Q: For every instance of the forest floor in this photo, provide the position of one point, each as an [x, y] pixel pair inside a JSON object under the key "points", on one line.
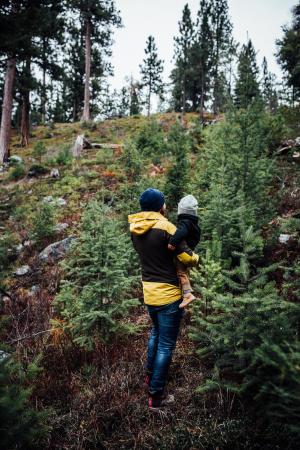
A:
{"points": [[97, 399]]}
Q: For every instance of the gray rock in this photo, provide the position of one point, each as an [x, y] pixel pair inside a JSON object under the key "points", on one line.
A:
{"points": [[61, 202], [15, 159], [34, 289], [58, 201], [27, 243], [19, 248], [23, 270], [4, 355], [48, 199], [284, 238], [54, 173], [61, 227], [57, 249], [297, 140]]}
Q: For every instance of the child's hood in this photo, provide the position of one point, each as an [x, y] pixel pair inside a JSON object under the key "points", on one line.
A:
{"points": [[143, 221]]}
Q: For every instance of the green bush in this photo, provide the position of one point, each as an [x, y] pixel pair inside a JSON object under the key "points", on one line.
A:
{"points": [[88, 125], [64, 157], [20, 424], [43, 223], [37, 169], [150, 139], [95, 295], [251, 338], [131, 161], [39, 150], [17, 172], [8, 253]]}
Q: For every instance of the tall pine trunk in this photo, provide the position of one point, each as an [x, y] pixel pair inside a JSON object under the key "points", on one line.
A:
{"points": [[202, 99], [183, 98], [43, 94], [7, 109], [88, 50], [149, 102], [25, 119], [25, 107]]}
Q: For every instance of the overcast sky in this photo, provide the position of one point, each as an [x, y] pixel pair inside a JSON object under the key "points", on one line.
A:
{"points": [[262, 19]]}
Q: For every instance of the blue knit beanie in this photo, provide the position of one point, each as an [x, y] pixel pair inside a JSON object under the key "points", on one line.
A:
{"points": [[152, 200]]}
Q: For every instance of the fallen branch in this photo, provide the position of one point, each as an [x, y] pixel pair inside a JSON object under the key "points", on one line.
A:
{"points": [[28, 336]]}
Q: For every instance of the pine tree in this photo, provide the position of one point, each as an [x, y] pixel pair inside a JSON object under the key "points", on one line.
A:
{"points": [[131, 161], [20, 424], [252, 338], [134, 101], [123, 102], [10, 14], [202, 56], [177, 176], [268, 89], [95, 294], [27, 22], [183, 45], [151, 71], [96, 21], [238, 175], [288, 54], [222, 47], [150, 140], [247, 86]]}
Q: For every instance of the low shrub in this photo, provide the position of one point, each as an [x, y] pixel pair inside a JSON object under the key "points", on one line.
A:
{"points": [[43, 223], [150, 140], [64, 157], [17, 173]]}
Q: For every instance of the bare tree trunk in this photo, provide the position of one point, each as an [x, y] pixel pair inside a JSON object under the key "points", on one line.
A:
{"points": [[25, 120], [25, 106], [7, 109], [149, 97], [88, 50], [202, 99], [183, 99], [149, 103], [43, 96]]}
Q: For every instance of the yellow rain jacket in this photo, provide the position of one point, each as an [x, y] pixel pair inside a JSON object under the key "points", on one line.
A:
{"points": [[150, 234]]}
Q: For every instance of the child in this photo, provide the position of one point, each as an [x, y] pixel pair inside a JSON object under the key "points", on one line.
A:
{"points": [[189, 231]]}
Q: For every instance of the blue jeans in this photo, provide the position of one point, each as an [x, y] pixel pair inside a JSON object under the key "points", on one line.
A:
{"points": [[166, 322]]}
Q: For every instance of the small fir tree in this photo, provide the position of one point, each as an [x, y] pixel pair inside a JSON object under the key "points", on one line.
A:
{"points": [[131, 161], [39, 150], [150, 139], [44, 222], [95, 295], [20, 424], [268, 89]]}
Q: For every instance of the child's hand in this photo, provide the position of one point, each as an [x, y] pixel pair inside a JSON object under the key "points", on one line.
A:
{"points": [[171, 247]]}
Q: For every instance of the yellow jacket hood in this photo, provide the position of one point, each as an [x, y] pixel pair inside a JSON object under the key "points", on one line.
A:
{"points": [[143, 221]]}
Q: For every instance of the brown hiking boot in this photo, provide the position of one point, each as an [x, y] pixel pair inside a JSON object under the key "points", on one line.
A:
{"points": [[159, 402]]}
